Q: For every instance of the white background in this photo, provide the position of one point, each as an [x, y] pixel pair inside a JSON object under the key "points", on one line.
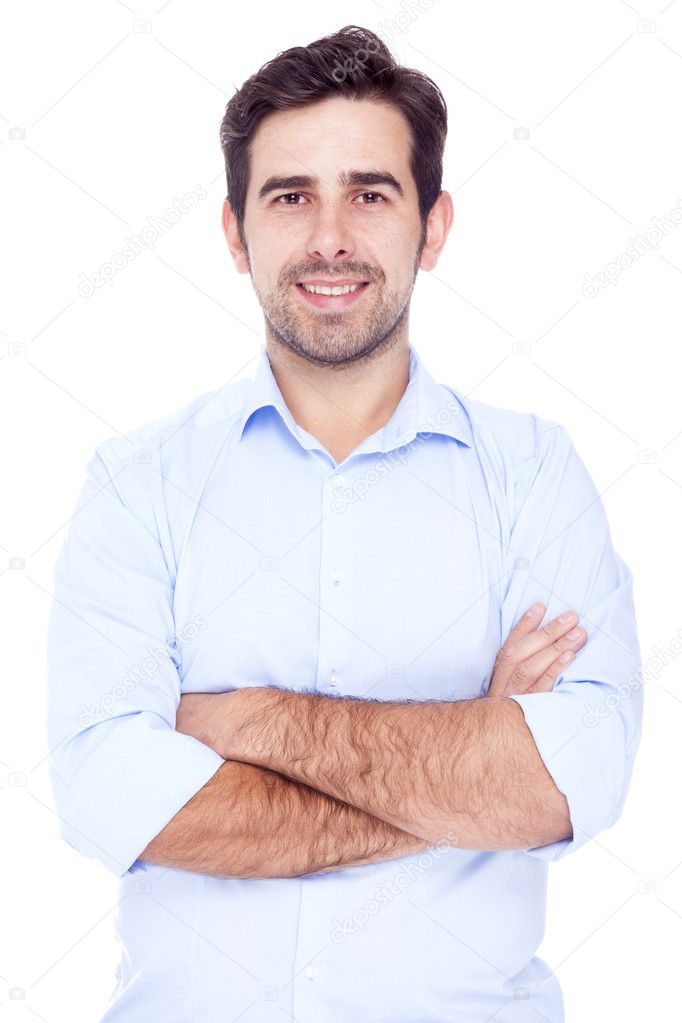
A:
{"points": [[102, 126]]}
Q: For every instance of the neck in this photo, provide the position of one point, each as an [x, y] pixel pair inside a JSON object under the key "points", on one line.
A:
{"points": [[341, 405]]}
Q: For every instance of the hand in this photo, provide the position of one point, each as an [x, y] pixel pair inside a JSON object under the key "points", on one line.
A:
{"points": [[203, 715], [529, 660]]}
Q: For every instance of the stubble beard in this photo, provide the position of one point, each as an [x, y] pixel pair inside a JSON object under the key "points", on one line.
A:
{"points": [[337, 339]]}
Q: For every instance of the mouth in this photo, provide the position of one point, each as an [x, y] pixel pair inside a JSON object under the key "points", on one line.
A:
{"points": [[337, 296]]}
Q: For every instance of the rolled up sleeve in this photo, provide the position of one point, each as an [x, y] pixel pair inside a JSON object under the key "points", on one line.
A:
{"points": [[587, 730], [119, 770]]}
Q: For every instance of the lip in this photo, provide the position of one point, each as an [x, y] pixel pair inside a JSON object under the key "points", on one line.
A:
{"points": [[331, 301], [338, 282]]}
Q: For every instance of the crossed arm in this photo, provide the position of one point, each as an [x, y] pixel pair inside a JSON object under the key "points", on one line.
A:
{"points": [[314, 783], [248, 821]]}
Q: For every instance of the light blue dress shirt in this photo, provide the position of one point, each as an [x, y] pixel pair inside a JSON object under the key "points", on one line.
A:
{"points": [[223, 547]]}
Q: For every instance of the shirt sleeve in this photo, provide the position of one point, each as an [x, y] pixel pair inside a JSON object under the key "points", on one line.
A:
{"points": [[119, 770], [587, 730]]}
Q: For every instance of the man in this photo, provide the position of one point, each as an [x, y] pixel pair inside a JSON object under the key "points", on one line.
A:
{"points": [[314, 692]]}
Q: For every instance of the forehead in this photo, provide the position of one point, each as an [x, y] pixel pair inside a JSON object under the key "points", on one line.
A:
{"points": [[334, 133]]}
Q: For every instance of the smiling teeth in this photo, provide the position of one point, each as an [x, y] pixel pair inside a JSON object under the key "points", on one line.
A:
{"points": [[316, 289]]}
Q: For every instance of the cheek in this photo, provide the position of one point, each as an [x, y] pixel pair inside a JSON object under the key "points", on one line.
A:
{"points": [[266, 275], [272, 265], [393, 248]]}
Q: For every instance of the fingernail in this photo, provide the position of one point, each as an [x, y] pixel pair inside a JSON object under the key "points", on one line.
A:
{"points": [[566, 617], [534, 609], [574, 634]]}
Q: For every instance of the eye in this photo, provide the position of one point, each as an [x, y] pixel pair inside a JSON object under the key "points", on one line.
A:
{"points": [[288, 195], [376, 195], [376, 199]]}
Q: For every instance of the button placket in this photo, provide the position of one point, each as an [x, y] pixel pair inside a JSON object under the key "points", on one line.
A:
{"points": [[334, 544]]}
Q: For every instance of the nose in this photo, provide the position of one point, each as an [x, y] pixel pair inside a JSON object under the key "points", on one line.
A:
{"points": [[330, 236]]}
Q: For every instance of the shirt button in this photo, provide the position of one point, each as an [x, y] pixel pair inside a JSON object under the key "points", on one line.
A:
{"points": [[310, 972], [338, 482], [333, 678], [337, 574]]}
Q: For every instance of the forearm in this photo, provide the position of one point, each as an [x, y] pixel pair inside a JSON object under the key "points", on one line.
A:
{"points": [[248, 821], [468, 769]]}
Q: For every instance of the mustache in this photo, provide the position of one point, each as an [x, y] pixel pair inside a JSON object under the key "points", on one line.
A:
{"points": [[364, 273]]}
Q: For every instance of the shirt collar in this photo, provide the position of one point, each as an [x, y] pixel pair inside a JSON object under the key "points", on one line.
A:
{"points": [[426, 407]]}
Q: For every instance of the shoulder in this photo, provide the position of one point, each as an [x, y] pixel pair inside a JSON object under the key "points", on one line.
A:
{"points": [[518, 455], [511, 438], [193, 423], [172, 453]]}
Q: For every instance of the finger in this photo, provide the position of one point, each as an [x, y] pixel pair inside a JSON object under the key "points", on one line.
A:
{"points": [[529, 621], [527, 674], [511, 652], [547, 681], [520, 647], [550, 633]]}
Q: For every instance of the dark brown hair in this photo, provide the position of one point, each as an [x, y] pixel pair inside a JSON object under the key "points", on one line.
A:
{"points": [[353, 62]]}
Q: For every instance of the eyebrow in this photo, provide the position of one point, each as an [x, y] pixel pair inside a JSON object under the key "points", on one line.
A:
{"points": [[346, 179]]}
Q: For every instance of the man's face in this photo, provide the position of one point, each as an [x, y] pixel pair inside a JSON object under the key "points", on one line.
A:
{"points": [[330, 228]]}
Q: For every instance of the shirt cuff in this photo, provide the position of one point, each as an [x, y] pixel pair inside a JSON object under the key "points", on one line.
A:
{"points": [[584, 751], [130, 786]]}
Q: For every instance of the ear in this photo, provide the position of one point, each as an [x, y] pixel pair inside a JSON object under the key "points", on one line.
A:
{"points": [[234, 243], [438, 226]]}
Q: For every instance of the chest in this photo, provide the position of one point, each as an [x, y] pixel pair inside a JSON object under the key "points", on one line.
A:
{"points": [[378, 580]]}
